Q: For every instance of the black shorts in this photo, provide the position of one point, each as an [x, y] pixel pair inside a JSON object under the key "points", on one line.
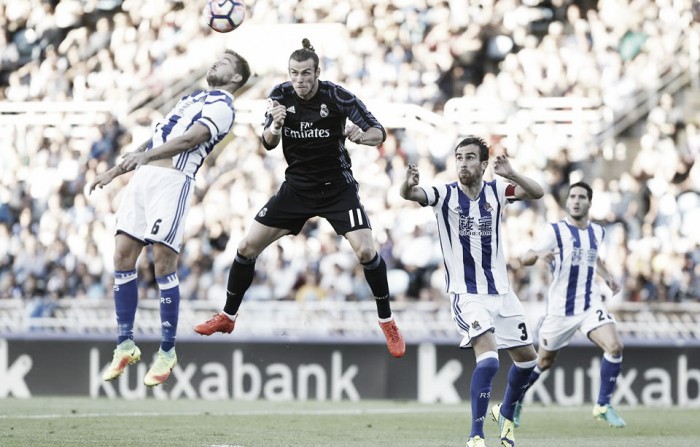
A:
{"points": [[341, 207]]}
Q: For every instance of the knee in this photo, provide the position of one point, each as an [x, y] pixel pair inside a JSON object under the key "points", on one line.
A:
{"points": [[165, 261], [366, 253], [126, 252], [247, 250], [616, 349], [124, 259]]}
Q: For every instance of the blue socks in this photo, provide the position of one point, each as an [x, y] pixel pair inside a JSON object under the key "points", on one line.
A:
{"points": [[169, 286], [126, 299], [609, 370], [518, 382], [534, 376], [480, 389]]}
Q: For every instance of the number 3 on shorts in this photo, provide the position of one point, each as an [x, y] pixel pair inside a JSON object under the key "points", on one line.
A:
{"points": [[523, 328]]}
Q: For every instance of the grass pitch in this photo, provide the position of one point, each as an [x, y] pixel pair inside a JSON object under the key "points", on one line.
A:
{"points": [[78, 422]]}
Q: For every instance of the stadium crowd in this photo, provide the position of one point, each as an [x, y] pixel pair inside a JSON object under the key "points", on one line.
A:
{"points": [[56, 241]]}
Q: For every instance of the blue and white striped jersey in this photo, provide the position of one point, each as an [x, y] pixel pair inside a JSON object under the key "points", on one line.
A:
{"points": [[470, 236], [211, 108], [574, 288]]}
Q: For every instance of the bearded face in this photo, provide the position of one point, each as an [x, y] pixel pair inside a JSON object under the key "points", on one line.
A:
{"points": [[222, 71], [470, 169]]}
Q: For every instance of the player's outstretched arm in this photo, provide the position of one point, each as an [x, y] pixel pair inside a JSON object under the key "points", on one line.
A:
{"points": [[409, 188], [196, 135], [103, 179], [531, 256]]}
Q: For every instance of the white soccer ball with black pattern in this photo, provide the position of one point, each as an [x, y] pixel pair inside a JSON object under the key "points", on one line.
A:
{"points": [[224, 16]]}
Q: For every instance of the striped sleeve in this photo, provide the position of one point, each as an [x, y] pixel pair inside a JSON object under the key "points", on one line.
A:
{"points": [[432, 193], [217, 115]]}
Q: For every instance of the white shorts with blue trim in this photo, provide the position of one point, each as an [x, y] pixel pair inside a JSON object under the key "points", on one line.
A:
{"points": [[504, 314], [154, 205], [555, 331]]}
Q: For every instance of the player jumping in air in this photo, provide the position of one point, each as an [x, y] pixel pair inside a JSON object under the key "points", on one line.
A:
{"points": [[156, 201], [310, 117]]}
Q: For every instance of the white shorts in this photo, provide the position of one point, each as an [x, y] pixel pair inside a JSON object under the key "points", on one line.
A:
{"points": [[555, 331], [154, 205], [476, 314]]}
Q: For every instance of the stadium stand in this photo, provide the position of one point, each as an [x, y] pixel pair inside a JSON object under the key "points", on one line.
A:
{"points": [[570, 91]]}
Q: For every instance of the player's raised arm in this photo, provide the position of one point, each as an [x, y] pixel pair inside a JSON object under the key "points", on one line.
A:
{"points": [[525, 187], [409, 188], [272, 133]]}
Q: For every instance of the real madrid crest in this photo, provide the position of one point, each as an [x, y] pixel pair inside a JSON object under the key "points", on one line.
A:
{"points": [[324, 110]]}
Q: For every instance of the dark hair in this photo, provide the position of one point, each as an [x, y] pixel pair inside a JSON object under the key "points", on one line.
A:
{"points": [[478, 141], [305, 53], [242, 66], [584, 185]]}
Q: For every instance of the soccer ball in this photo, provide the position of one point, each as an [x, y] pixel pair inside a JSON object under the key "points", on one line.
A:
{"points": [[224, 16]]}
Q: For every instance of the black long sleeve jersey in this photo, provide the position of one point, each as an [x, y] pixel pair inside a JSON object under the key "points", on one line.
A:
{"points": [[313, 142]]}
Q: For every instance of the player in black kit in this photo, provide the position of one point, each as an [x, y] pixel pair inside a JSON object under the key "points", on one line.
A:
{"points": [[309, 116]]}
